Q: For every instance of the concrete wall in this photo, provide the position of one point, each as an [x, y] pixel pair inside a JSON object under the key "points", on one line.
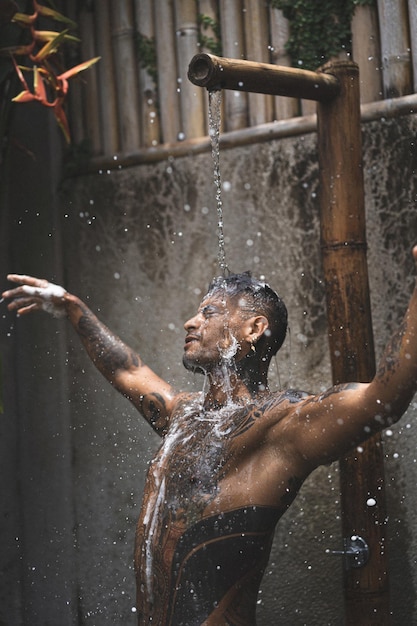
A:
{"points": [[140, 246], [36, 520]]}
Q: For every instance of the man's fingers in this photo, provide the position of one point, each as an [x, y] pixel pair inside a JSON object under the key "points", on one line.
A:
{"points": [[18, 292], [34, 294], [27, 309], [27, 280], [19, 303]]}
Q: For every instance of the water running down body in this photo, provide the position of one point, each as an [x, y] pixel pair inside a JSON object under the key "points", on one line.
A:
{"points": [[233, 457]]}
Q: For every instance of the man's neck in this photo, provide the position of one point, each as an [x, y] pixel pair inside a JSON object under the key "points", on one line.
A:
{"points": [[230, 385]]}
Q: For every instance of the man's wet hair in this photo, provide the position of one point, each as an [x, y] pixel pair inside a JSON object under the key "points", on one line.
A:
{"points": [[255, 296]]}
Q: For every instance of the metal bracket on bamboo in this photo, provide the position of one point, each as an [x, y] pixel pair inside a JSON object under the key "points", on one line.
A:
{"points": [[215, 73], [355, 552]]}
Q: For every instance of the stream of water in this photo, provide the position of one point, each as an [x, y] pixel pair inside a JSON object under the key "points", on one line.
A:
{"points": [[174, 456], [215, 103]]}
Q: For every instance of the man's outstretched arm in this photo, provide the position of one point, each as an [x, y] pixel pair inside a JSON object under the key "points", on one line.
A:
{"points": [[120, 365], [324, 427]]}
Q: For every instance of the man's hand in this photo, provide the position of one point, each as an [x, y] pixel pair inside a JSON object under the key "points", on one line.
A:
{"points": [[35, 294], [120, 365]]}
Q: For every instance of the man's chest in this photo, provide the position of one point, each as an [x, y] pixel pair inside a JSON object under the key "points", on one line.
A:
{"points": [[212, 463]]}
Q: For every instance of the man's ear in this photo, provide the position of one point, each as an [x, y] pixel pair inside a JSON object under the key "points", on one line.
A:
{"points": [[259, 324]]}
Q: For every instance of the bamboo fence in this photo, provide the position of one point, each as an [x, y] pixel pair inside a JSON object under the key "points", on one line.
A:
{"points": [[130, 102]]}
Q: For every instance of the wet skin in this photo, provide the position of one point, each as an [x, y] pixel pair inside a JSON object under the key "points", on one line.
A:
{"points": [[232, 458], [214, 493], [231, 464], [200, 503], [224, 476]]}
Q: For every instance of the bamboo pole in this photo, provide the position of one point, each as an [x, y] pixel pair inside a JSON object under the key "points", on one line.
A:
{"points": [[412, 11], [257, 40], [343, 240], [207, 70], [167, 70], [307, 106], [280, 31], [231, 20], [88, 51], [126, 76], [107, 88], [150, 128], [209, 9], [395, 47], [193, 118], [366, 51]]}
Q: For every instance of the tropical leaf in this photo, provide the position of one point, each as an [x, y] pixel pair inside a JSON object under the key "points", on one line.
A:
{"points": [[24, 96], [46, 82], [23, 19], [49, 35], [47, 12], [78, 68], [61, 118], [19, 73], [39, 87], [49, 48]]}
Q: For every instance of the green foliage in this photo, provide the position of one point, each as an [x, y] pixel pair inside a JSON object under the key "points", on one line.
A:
{"points": [[212, 44], [319, 29], [146, 48]]}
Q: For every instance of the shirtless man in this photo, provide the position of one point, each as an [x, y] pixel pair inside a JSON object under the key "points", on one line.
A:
{"points": [[233, 457]]}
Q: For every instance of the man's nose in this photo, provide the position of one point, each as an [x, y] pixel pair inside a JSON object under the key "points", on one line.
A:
{"points": [[192, 323]]}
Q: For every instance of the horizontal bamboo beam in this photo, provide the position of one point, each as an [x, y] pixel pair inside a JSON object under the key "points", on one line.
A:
{"points": [[207, 70], [295, 126]]}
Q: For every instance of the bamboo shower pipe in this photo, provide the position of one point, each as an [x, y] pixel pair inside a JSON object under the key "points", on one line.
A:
{"points": [[343, 241], [207, 70]]}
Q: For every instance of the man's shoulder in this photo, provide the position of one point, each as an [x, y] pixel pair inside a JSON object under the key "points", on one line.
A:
{"points": [[287, 396], [186, 399]]}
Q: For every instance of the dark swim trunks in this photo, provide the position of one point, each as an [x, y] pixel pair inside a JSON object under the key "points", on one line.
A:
{"points": [[215, 555]]}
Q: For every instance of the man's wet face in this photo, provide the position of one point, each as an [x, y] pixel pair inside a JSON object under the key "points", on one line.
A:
{"points": [[211, 333]]}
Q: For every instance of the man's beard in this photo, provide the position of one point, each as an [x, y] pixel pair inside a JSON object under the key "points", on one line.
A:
{"points": [[225, 356], [193, 365]]}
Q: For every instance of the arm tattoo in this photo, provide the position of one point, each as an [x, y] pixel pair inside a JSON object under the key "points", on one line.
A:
{"points": [[152, 407], [330, 392], [390, 359], [247, 417], [106, 350], [337, 389]]}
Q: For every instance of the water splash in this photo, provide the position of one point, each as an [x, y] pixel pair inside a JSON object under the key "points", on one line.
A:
{"points": [[227, 366], [215, 102], [194, 446]]}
